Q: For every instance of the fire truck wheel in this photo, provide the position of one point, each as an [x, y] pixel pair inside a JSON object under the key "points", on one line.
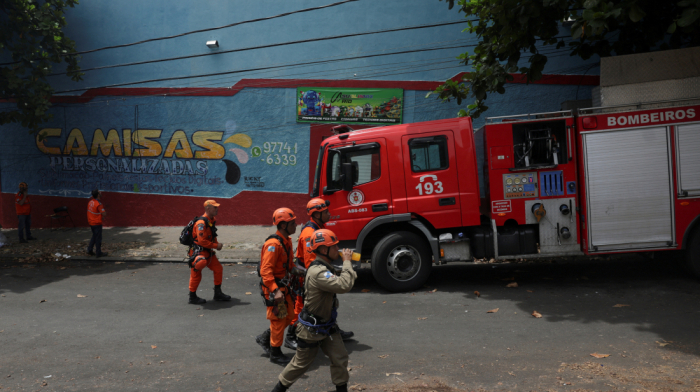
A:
{"points": [[692, 253], [401, 261]]}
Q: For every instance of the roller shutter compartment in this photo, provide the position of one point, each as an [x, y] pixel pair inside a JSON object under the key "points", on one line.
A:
{"points": [[629, 189]]}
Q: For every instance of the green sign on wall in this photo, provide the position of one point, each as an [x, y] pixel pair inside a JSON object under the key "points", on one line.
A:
{"points": [[350, 105]]}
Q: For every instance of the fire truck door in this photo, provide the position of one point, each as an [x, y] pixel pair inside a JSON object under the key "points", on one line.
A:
{"points": [[371, 193], [629, 189], [432, 187]]}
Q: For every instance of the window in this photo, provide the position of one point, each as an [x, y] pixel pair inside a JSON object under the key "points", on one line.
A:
{"points": [[428, 154], [365, 158]]}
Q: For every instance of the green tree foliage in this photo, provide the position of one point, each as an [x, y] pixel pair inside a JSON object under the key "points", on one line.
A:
{"points": [[31, 41], [512, 33]]}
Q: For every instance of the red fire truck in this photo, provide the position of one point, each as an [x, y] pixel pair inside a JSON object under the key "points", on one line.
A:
{"points": [[598, 181]]}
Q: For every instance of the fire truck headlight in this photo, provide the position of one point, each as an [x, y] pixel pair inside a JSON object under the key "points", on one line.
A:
{"points": [[565, 233]]}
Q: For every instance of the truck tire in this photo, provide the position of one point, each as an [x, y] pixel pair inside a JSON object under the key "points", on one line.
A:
{"points": [[401, 261], [692, 252]]}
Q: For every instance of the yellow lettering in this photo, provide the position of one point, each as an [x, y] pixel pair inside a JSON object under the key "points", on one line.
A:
{"points": [[204, 139], [151, 148], [74, 137], [179, 138], [41, 138], [106, 145], [126, 136]]}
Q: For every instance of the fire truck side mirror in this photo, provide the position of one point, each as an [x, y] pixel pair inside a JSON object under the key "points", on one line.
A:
{"points": [[346, 176]]}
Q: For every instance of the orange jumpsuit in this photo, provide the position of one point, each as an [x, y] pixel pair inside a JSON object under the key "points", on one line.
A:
{"points": [[306, 257], [207, 257], [275, 264]]}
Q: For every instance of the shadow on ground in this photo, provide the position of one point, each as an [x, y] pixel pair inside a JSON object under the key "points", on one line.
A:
{"points": [[71, 243], [223, 305], [21, 278], [74, 242], [653, 295]]}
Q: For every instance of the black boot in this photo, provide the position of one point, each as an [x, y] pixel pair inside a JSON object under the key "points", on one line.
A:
{"points": [[219, 296], [290, 340], [341, 388], [194, 300], [280, 388], [264, 341], [277, 357], [346, 335]]}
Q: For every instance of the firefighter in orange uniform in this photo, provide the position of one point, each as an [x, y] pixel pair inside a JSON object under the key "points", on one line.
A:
{"points": [[317, 210], [276, 263], [204, 250], [95, 213], [24, 209]]}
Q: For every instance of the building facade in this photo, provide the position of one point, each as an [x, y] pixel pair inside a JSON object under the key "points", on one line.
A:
{"points": [[161, 126]]}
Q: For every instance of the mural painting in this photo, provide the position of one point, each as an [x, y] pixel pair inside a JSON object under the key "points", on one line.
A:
{"points": [[201, 163]]}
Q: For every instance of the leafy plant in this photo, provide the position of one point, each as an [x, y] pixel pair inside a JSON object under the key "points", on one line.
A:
{"points": [[31, 42], [512, 34]]}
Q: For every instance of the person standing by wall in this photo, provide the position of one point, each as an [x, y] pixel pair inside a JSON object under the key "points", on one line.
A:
{"points": [[204, 251], [276, 263], [95, 213], [24, 210], [317, 321]]}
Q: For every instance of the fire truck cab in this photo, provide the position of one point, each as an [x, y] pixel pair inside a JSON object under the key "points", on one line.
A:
{"points": [[595, 181]]}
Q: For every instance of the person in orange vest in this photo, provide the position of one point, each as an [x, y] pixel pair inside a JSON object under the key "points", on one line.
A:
{"points": [[317, 210], [95, 213], [24, 210], [204, 252], [276, 263]]}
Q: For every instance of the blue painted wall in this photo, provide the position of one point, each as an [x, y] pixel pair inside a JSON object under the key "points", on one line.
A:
{"points": [[100, 23], [264, 115]]}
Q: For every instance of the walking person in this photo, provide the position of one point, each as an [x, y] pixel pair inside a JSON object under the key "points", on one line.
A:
{"points": [[95, 213], [317, 210], [24, 210], [317, 321], [204, 251], [276, 263]]}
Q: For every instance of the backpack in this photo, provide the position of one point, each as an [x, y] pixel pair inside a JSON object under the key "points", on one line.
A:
{"points": [[186, 236]]}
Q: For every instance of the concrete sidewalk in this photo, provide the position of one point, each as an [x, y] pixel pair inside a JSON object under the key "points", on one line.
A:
{"points": [[241, 244]]}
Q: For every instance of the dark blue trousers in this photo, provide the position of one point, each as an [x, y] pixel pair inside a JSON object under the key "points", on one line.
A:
{"points": [[96, 239], [25, 225]]}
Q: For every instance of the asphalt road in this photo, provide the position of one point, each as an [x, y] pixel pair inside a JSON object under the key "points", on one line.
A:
{"points": [[133, 329]]}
